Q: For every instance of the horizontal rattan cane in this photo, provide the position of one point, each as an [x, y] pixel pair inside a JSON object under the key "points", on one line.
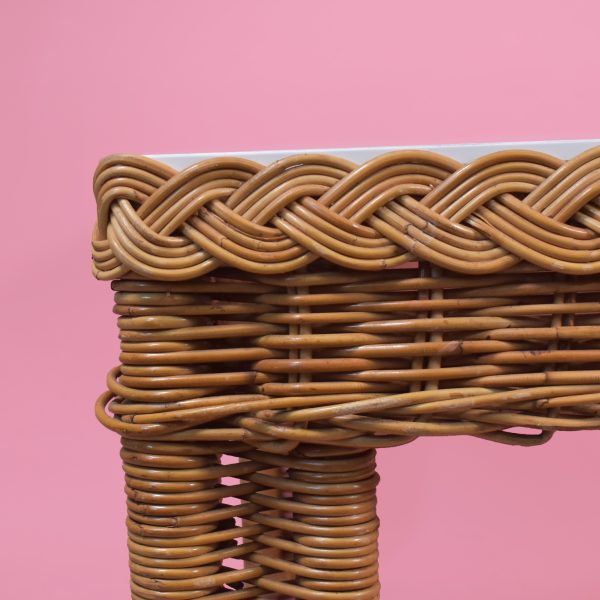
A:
{"points": [[297, 316]]}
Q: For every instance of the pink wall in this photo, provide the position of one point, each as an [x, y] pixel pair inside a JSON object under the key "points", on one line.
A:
{"points": [[462, 519]]}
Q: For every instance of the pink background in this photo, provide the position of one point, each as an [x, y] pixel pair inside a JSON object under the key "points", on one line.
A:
{"points": [[462, 519]]}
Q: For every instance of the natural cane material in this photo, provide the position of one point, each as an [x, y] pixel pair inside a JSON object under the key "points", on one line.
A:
{"points": [[294, 317]]}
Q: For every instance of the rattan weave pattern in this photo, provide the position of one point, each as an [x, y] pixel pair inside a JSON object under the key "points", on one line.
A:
{"points": [[297, 316], [485, 217]]}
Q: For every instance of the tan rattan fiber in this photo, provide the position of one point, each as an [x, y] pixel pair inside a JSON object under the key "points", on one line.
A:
{"points": [[299, 315]]}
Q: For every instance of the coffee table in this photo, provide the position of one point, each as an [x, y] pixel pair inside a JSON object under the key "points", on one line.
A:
{"points": [[282, 315]]}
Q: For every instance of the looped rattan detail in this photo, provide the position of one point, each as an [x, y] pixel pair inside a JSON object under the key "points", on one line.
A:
{"points": [[297, 316]]}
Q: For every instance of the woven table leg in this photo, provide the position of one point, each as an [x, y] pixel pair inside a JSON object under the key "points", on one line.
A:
{"points": [[328, 531], [179, 531]]}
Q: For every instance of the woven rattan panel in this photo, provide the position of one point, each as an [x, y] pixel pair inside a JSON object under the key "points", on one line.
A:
{"points": [[297, 316]]}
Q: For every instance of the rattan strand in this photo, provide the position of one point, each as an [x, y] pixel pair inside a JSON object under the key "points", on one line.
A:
{"points": [[276, 315]]}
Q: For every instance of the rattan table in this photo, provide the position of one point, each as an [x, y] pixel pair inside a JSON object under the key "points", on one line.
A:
{"points": [[284, 315]]}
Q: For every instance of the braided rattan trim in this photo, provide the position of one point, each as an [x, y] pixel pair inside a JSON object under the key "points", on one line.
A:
{"points": [[480, 218]]}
